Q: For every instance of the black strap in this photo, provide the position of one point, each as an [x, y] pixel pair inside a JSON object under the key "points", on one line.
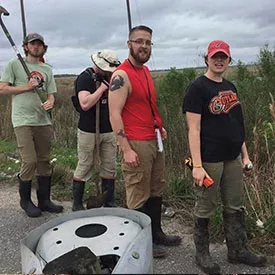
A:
{"points": [[96, 77], [150, 99]]}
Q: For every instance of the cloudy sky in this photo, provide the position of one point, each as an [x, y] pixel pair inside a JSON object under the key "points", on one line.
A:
{"points": [[182, 29]]}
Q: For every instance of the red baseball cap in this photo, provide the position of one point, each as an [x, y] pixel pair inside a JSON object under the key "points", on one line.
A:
{"points": [[218, 46]]}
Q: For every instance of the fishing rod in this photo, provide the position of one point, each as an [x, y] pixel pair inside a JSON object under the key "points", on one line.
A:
{"points": [[23, 63]]}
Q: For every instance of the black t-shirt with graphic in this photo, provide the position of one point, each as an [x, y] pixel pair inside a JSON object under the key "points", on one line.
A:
{"points": [[87, 120], [222, 124]]}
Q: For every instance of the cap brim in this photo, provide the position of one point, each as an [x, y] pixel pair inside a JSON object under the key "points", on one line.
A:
{"points": [[218, 51], [35, 39], [101, 64]]}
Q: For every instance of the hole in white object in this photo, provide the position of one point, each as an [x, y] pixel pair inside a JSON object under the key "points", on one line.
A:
{"points": [[91, 230]]}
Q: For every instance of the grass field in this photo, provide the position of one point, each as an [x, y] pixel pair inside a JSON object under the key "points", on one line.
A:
{"points": [[256, 90]]}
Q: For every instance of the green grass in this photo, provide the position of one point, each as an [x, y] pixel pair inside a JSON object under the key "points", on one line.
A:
{"points": [[7, 146], [66, 157], [9, 163], [64, 162], [63, 166]]}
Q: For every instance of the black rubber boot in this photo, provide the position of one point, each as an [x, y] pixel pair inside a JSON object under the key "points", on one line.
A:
{"points": [[201, 240], [78, 191], [236, 240], [25, 199], [158, 252], [153, 208], [109, 186], [43, 195]]}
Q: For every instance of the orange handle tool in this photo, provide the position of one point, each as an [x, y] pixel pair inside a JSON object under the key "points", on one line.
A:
{"points": [[206, 182]]}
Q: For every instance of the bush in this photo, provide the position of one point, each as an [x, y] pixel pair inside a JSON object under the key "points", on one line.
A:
{"points": [[256, 91], [170, 92]]}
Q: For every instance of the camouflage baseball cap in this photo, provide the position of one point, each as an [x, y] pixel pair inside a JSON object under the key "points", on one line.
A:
{"points": [[33, 36]]}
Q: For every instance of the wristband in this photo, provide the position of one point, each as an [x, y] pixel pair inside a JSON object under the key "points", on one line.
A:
{"points": [[197, 166]]}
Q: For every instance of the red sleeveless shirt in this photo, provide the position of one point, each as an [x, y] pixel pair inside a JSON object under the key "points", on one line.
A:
{"points": [[137, 114]]}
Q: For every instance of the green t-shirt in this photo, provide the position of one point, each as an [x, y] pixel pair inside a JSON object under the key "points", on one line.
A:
{"points": [[26, 107]]}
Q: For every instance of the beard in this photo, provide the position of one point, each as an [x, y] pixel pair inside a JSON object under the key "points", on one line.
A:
{"points": [[34, 53], [139, 57]]}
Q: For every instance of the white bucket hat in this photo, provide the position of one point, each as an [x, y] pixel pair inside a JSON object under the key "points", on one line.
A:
{"points": [[106, 60]]}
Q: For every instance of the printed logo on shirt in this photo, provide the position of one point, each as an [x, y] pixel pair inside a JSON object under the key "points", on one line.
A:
{"points": [[223, 102], [39, 77]]}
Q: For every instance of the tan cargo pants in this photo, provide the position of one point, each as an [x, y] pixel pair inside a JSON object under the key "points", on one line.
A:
{"points": [[34, 144], [148, 179]]}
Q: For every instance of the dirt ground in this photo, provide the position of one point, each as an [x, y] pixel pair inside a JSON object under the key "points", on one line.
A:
{"points": [[15, 225]]}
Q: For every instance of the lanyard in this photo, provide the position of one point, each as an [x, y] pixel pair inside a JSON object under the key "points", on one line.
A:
{"points": [[149, 92]]}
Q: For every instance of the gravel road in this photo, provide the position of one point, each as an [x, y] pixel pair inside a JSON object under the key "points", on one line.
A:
{"points": [[15, 225]]}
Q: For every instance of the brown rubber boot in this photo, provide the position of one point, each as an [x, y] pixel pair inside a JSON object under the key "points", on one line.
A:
{"points": [[201, 240], [236, 241]]}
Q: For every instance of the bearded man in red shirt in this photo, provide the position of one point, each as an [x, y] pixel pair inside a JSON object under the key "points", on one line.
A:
{"points": [[135, 119]]}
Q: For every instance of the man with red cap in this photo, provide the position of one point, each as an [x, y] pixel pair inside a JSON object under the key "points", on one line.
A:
{"points": [[217, 145]]}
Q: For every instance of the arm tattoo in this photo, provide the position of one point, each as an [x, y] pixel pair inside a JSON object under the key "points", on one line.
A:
{"points": [[121, 133], [117, 83]]}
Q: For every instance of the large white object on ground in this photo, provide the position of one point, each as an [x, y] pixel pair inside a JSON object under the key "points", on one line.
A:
{"points": [[118, 237]]}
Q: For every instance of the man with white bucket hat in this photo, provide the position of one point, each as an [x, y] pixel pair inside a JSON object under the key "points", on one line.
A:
{"points": [[91, 87]]}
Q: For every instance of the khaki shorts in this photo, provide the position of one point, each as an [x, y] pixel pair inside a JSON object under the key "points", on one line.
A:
{"points": [[228, 183], [148, 179], [87, 155], [34, 144]]}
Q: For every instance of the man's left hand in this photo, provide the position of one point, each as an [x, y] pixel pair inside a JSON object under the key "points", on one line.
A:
{"points": [[163, 133], [247, 166], [47, 105]]}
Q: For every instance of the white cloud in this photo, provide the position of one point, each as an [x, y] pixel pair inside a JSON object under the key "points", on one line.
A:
{"points": [[182, 29]]}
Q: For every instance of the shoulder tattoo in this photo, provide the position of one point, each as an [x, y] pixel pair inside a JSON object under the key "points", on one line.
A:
{"points": [[116, 83], [121, 133]]}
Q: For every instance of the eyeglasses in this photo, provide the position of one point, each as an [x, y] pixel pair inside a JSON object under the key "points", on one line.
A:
{"points": [[141, 42]]}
